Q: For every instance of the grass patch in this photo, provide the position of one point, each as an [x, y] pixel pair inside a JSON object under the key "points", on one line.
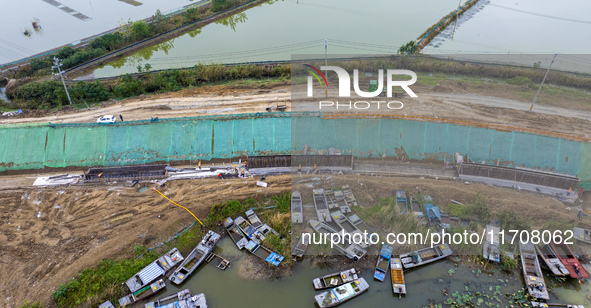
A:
{"points": [[104, 280]]}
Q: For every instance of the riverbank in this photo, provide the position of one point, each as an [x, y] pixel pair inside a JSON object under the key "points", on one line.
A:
{"points": [[101, 222]]}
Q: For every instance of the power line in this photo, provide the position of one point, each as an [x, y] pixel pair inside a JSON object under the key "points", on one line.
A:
{"points": [[542, 15]]}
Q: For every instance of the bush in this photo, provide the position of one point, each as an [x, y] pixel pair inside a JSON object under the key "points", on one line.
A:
{"points": [[110, 41], [140, 30], [512, 221], [520, 80], [507, 263], [221, 5]]}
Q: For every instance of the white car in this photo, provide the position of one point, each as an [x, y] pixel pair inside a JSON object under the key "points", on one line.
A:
{"points": [[106, 119]]}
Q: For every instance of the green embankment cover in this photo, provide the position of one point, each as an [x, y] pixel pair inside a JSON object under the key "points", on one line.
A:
{"points": [[140, 142]]}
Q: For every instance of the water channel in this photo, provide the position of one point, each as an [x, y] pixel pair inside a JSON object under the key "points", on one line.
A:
{"points": [[277, 29], [228, 289]]}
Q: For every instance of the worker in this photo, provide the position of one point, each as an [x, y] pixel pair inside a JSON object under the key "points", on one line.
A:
{"points": [[242, 173], [570, 190], [580, 215], [199, 165], [577, 270], [314, 166], [300, 168], [121, 117], [100, 175], [245, 165]]}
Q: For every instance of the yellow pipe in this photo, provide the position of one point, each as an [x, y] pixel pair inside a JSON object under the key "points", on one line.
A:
{"points": [[156, 190]]}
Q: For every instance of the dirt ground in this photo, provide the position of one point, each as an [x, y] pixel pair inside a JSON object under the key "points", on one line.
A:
{"points": [[498, 104], [49, 235]]}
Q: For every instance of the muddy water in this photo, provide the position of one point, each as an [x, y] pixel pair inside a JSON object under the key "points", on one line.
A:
{"points": [[228, 289], [275, 30], [60, 26]]}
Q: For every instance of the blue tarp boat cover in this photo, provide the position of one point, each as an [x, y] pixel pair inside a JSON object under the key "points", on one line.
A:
{"points": [[274, 258]]}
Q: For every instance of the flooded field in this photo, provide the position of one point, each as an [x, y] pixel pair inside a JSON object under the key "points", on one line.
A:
{"points": [[519, 26], [276, 30], [67, 21]]}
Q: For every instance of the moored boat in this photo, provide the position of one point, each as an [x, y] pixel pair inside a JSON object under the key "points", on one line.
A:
{"points": [[235, 234], [552, 261], [320, 204], [142, 293], [182, 299], [154, 270], [254, 219], [425, 256], [490, 249], [195, 258], [264, 253], [248, 230], [303, 243], [297, 216], [334, 279], [582, 235], [397, 275], [569, 260], [341, 293], [383, 262], [352, 251], [534, 279], [402, 202]]}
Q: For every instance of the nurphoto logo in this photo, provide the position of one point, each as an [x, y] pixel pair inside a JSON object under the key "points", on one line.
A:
{"points": [[345, 81]]}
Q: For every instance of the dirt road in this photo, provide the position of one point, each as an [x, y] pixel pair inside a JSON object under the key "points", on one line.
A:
{"points": [[440, 102]]}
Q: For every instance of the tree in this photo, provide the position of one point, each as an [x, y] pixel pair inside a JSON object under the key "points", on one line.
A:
{"points": [[409, 47], [139, 30]]}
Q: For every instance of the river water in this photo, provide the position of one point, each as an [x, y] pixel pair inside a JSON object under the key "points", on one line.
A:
{"points": [[277, 29], [228, 289]]}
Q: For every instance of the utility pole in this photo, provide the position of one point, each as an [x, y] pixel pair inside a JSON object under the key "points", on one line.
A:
{"points": [[541, 84], [57, 64]]}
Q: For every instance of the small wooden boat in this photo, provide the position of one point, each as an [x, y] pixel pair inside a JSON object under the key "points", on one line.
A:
{"points": [[264, 253], [341, 293], [254, 219], [235, 234], [334, 279], [341, 203], [402, 202], [330, 199], [490, 249], [582, 235], [416, 208], [552, 261], [397, 275], [217, 261], [352, 251], [195, 258], [320, 204], [360, 224], [569, 260], [556, 305], [297, 213], [303, 243], [425, 256], [349, 196], [433, 214], [383, 262], [248, 230], [348, 227], [182, 299], [142, 293], [534, 279], [154, 270]]}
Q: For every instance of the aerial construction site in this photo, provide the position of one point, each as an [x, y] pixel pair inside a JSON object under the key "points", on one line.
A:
{"points": [[227, 153]]}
